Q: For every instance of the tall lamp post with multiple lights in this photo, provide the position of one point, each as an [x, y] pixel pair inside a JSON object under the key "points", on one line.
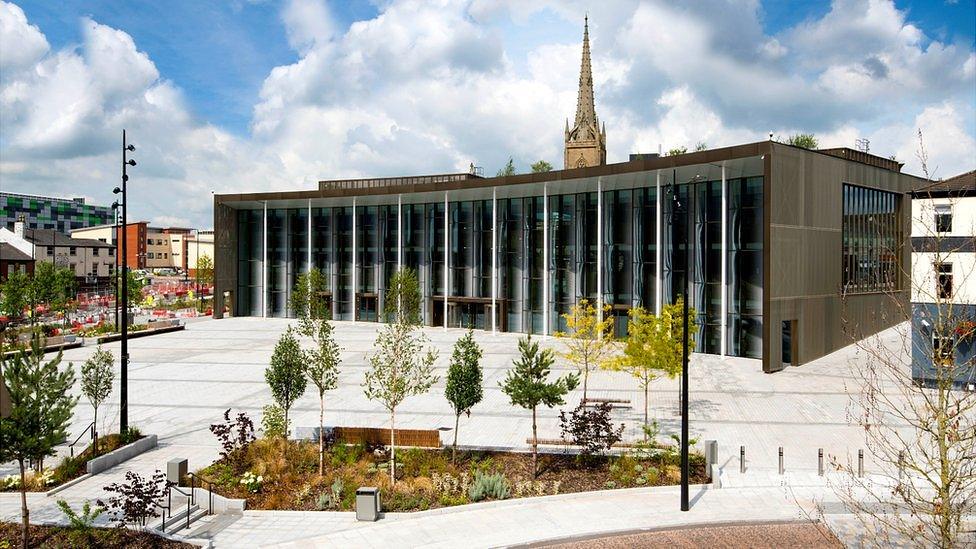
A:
{"points": [[124, 370], [115, 273], [676, 203]]}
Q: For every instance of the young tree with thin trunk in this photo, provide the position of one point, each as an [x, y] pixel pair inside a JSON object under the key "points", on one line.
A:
{"points": [[588, 339], [286, 374], [909, 393], [402, 301], [653, 346], [464, 380], [402, 365], [309, 298], [40, 412], [322, 367], [527, 385], [96, 382]]}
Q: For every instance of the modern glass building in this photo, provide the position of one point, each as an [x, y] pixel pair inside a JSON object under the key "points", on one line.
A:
{"points": [[777, 247], [44, 212]]}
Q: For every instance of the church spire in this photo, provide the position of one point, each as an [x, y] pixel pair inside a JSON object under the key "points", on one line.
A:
{"points": [[585, 143], [585, 109]]}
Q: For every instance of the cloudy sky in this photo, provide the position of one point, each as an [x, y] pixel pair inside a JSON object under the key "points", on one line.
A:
{"points": [[250, 95]]}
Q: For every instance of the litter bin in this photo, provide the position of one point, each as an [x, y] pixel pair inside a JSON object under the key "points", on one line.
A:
{"points": [[368, 503]]}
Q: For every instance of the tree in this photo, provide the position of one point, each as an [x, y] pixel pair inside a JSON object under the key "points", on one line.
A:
{"points": [[403, 300], [541, 167], [14, 294], [309, 298], [96, 382], [464, 378], [134, 287], [321, 367], [402, 365], [286, 374], [677, 150], [588, 339], [64, 292], [591, 430], [508, 170], [527, 385], [40, 412], [803, 140], [653, 346], [909, 399], [204, 270]]}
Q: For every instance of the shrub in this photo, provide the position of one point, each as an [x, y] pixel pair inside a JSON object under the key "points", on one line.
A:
{"points": [[136, 498], [273, 421], [235, 435], [492, 486], [591, 430], [130, 435], [81, 522]]}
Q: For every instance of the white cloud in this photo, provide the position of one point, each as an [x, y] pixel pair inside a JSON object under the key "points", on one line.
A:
{"points": [[21, 44], [431, 86]]}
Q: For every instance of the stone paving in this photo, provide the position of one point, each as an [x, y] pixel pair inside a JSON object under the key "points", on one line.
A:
{"points": [[181, 382]]}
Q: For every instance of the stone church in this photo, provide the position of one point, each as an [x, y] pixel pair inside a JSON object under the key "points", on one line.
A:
{"points": [[586, 141]]}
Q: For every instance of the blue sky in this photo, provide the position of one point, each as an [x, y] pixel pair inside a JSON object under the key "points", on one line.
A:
{"points": [[252, 95]]}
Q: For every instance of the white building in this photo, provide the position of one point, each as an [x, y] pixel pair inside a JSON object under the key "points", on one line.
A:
{"points": [[943, 241]]}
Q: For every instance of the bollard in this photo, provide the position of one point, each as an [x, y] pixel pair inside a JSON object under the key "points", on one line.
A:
{"points": [[781, 460], [742, 459], [860, 463], [820, 469]]}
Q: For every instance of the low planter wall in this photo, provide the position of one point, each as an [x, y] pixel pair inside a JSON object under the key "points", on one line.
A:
{"points": [[420, 438], [51, 348], [142, 333], [124, 453]]}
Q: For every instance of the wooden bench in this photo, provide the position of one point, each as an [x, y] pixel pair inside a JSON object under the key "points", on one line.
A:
{"points": [[420, 438], [564, 442], [613, 402]]}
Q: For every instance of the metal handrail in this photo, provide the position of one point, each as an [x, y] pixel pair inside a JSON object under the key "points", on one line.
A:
{"points": [[210, 485], [189, 500], [90, 429]]}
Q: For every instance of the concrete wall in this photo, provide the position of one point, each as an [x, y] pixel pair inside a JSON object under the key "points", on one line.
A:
{"points": [[924, 317], [803, 274]]}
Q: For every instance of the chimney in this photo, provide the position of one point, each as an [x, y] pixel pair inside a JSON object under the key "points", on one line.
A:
{"points": [[20, 225]]}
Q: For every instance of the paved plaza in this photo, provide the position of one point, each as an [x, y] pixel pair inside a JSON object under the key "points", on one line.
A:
{"points": [[181, 382]]}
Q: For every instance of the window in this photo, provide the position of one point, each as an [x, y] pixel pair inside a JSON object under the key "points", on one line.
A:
{"points": [[72, 251], [943, 281], [150, 255], [50, 251], [95, 251], [111, 251], [943, 218], [872, 243], [942, 349]]}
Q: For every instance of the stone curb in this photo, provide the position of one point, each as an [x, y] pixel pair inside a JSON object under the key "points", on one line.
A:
{"points": [[115, 457], [67, 485]]}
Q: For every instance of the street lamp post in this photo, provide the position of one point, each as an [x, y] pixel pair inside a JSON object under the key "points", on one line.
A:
{"points": [[124, 370], [684, 339], [115, 272]]}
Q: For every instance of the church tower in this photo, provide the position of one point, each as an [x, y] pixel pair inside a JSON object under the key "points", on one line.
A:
{"points": [[586, 141]]}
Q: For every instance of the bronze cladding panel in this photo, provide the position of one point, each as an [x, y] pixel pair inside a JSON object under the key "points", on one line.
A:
{"points": [[225, 260], [804, 212]]}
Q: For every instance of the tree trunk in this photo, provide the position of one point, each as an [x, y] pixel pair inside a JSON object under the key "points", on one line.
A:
{"points": [[393, 447], [457, 419], [646, 386], [321, 435], [95, 428], [586, 377], [535, 447], [24, 513]]}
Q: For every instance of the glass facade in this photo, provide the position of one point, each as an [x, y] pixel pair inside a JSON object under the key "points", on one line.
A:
{"points": [[593, 239], [871, 239]]}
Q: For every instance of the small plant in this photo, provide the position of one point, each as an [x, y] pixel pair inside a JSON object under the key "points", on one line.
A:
{"points": [[488, 487], [591, 430], [84, 521], [136, 498], [130, 435], [324, 502], [251, 482], [233, 435], [273, 421], [10, 481], [333, 498]]}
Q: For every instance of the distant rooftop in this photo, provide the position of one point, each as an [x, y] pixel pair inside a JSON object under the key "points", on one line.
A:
{"points": [[45, 237], [964, 184], [75, 200], [864, 158]]}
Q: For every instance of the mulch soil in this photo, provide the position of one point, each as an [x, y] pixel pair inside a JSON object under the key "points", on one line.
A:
{"points": [[110, 538]]}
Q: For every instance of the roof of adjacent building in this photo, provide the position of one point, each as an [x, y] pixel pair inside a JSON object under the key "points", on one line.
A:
{"points": [[961, 185], [48, 237], [10, 253]]}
